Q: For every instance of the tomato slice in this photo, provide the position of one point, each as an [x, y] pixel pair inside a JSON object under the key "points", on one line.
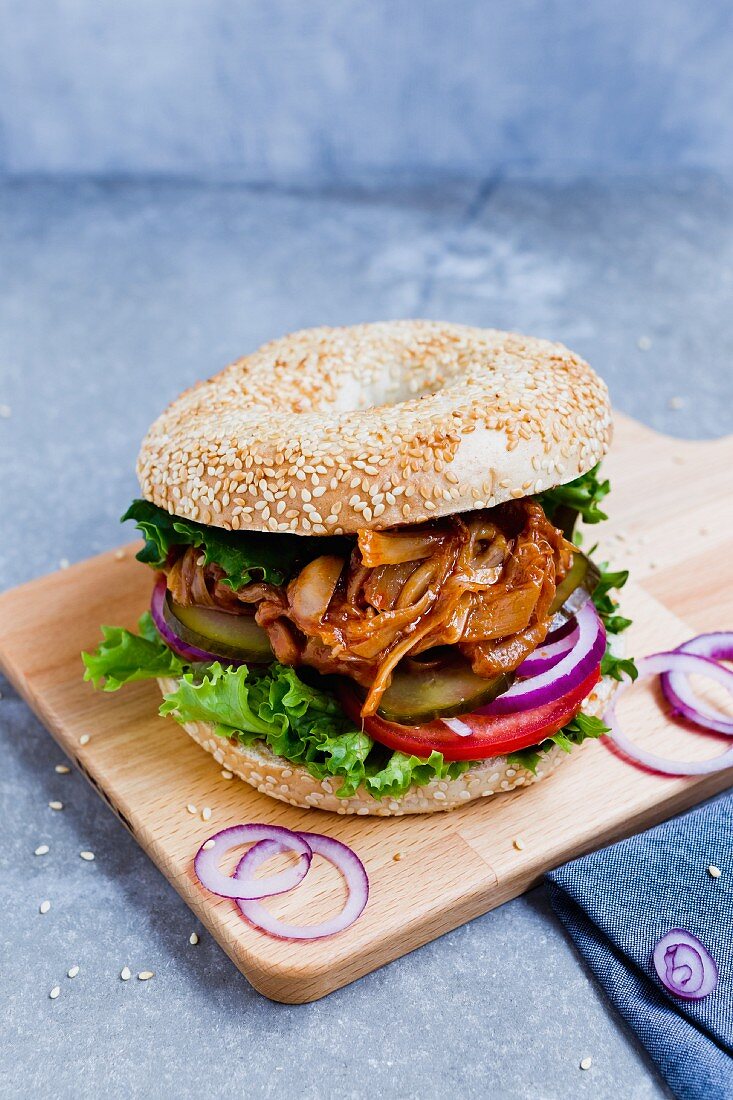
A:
{"points": [[492, 735]]}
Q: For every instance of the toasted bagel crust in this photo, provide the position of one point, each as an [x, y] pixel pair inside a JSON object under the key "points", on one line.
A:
{"points": [[334, 429], [292, 783]]}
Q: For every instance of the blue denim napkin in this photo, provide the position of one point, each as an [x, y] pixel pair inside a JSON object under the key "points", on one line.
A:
{"points": [[616, 903]]}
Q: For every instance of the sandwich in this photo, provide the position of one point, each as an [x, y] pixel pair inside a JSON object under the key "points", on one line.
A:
{"points": [[370, 591]]}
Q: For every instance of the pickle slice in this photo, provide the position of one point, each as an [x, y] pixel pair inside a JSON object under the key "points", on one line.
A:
{"points": [[418, 693], [576, 588], [218, 632]]}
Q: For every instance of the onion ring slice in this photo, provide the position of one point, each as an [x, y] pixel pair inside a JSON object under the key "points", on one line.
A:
{"points": [[568, 673], [688, 664], [341, 856], [684, 965], [678, 690], [244, 885], [550, 654]]}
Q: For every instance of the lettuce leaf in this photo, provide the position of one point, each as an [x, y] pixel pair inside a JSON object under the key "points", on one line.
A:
{"points": [[122, 656], [582, 496], [300, 723], [576, 731], [244, 557]]}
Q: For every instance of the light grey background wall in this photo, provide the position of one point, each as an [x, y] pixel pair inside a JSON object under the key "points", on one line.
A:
{"points": [[324, 90]]}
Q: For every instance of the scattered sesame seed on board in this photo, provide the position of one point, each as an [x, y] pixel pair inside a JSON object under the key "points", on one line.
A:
{"points": [[208, 845], [85, 739], [518, 843], [397, 857], [226, 775], [55, 805], [41, 850], [643, 343], [206, 813], [62, 769], [119, 555], [714, 871], [72, 972], [193, 939], [146, 975], [191, 808], [64, 563], [88, 856], [125, 973], [676, 403], [586, 1063], [55, 992], [5, 412], [44, 907]]}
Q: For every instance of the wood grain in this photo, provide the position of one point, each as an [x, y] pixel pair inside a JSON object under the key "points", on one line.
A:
{"points": [[672, 524]]}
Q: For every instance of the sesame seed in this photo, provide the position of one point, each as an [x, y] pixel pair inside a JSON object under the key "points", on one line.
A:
{"points": [[55, 992], [5, 411], [125, 973], [226, 774], [714, 871], [85, 739], [676, 403], [586, 1063], [44, 907], [62, 769], [518, 843], [206, 813], [64, 563], [56, 805], [119, 554], [397, 857], [193, 939], [72, 972], [41, 850], [88, 856], [208, 845], [191, 808], [146, 975]]}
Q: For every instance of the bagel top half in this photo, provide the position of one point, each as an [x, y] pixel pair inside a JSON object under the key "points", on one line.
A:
{"points": [[332, 430]]}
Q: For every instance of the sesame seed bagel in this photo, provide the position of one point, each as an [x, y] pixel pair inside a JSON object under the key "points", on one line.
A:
{"points": [[334, 429], [288, 782]]}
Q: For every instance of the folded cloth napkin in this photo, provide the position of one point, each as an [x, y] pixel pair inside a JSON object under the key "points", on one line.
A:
{"points": [[616, 904]]}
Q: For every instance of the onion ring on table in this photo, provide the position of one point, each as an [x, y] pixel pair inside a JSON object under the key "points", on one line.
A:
{"points": [[340, 855], [207, 859], [684, 965], [689, 664], [678, 690]]}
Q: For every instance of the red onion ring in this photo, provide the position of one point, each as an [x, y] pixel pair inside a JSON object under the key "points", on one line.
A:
{"points": [[684, 965], [458, 727], [561, 630], [550, 654], [679, 693], [688, 664], [171, 639], [207, 859], [342, 857], [567, 674]]}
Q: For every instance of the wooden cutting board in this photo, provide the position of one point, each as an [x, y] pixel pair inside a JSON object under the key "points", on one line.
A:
{"points": [[671, 524]]}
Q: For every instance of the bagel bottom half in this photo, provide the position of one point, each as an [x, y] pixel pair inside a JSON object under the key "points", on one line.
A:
{"points": [[279, 778]]}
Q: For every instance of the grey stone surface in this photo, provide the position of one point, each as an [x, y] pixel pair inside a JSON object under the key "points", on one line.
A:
{"points": [[114, 297], [319, 91]]}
